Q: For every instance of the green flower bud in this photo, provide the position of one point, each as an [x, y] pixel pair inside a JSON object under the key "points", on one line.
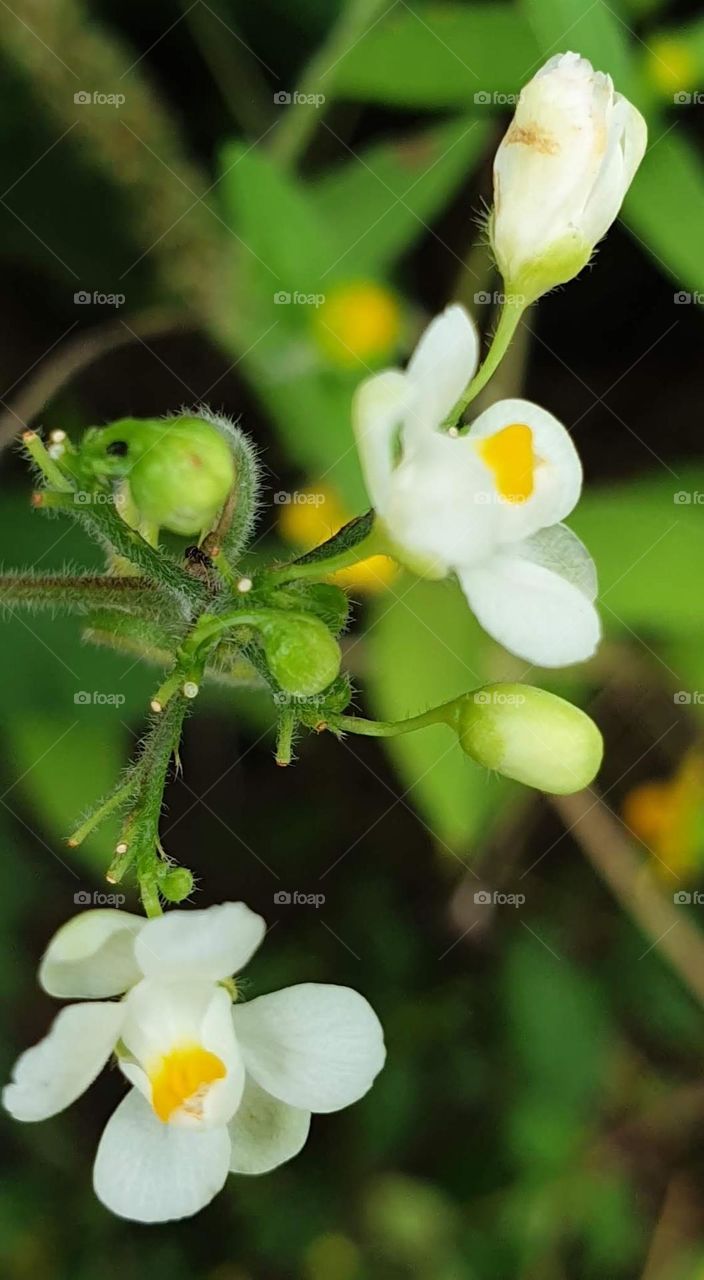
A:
{"points": [[176, 884], [179, 472], [300, 652], [529, 735]]}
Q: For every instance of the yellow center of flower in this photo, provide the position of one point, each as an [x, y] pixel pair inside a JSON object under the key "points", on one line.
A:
{"points": [[181, 1079], [360, 321], [510, 456]]}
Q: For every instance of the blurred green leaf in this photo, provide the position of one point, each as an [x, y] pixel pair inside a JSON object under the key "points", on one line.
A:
{"points": [[378, 203], [440, 55], [665, 207], [594, 30], [645, 542], [425, 647]]}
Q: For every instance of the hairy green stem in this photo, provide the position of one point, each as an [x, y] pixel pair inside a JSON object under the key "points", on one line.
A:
{"points": [[83, 593], [390, 728]]}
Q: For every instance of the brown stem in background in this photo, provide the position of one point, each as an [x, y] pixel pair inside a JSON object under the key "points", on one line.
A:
{"points": [[618, 864], [74, 355]]}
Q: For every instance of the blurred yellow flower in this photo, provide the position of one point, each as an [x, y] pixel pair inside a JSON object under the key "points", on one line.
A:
{"points": [[332, 1257], [313, 515], [358, 322], [668, 817], [671, 65]]}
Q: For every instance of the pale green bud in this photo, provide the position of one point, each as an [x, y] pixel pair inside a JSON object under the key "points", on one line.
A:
{"points": [[300, 652], [176, 884], [179, 471], [529, 735]]}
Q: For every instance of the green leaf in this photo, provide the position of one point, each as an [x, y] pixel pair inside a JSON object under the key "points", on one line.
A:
{"points": [[276, 219], [645, 543], [595, 30], [665, 207], [378, 203], [439, 55], [425, 647]]}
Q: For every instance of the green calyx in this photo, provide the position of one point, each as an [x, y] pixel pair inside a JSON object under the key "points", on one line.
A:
{"points": [[558, 265]]}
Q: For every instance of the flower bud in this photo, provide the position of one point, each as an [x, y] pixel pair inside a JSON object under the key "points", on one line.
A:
{"points": [[300, 652], [561, 174], [176, 884], [179, 471], [529, 735]]}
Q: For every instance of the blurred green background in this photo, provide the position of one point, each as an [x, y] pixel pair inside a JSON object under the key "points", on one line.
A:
{"points": [[280, 196]]}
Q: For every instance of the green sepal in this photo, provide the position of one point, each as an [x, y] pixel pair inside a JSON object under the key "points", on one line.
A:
{"points": [[347, 537]]}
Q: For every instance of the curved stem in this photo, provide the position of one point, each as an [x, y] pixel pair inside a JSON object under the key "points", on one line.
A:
{"points": [[390, 728], [509, 320]]}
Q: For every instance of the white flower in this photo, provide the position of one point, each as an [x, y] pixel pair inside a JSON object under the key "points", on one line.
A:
{"points": [[486, 505], [217, 1088], [561, 173]]}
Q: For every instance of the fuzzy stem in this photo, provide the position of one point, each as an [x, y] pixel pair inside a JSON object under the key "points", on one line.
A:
{"points": [[83, 593], [52, 473], [140, 838]]}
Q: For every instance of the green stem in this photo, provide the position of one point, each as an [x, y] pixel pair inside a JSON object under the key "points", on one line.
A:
{"points": [[509, 320], [50, 470], [140, 837], [299, 123], [84, 592], [374, 544], [390, 728], [119, 796]]}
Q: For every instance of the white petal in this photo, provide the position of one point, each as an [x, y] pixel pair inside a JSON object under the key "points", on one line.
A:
{"points": [[560, 550], [265, 1132], [378, 409], [153, 1172], [532, 611], [316, 1047], [442, 364], [52, 1074], [436, 511], [161, 1017], [213, 944], [92, 956], [558, 473]]}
